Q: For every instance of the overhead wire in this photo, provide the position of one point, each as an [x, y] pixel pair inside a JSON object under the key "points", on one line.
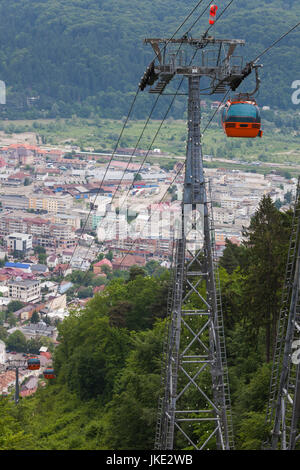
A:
{"points": [[157, 132], [174, 96], [147, 121], [218, 18], [275, 43], [175, 178]]}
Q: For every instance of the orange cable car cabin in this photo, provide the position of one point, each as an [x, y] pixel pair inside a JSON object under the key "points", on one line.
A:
{"points": [[49, 374], [241, 119], [33, 363]]}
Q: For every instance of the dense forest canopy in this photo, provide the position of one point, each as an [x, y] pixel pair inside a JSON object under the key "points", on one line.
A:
{"points": [[108, 361], [84, 56]]}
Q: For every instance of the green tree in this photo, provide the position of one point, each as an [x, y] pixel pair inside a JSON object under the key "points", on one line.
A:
{"points": [[136, 271], [267, 241], [14, 305], [42, 258], [87, 362], [34, 345], [135, 397], [3, 333], [35, 317], [17, 341], [85, 292]]}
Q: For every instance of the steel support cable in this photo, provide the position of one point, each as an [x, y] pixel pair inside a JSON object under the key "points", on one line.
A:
{"points": [[107, 167], [252, 63], [199, 16], [125, 123], [152, 142], [170, 184], [186, 19], [275, 43], [153, 108], [173, 181], [109, 163], [248, 68], [176, 93], [176, 176]]}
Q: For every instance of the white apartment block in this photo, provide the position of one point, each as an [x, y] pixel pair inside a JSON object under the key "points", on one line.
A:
{"points": [[25, 291], [222, 216], [2, 352], [230, 203], [19, 242]]}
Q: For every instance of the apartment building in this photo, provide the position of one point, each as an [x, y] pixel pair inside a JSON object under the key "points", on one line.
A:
{"points": [[14, 201], [9, 224], [21, 242], [71, 220], [59, 237], [25, 291], [37, 226], [53, 204]]}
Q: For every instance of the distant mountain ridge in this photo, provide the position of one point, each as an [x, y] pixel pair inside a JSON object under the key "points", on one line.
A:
{"points": [[84, 56]]}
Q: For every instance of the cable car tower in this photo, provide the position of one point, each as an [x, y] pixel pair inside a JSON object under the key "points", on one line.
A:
{"points": [[195, 408], [283, 410]]}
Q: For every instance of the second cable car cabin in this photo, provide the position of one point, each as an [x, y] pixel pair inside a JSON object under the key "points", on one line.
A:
{"points": [[241, 119], [33, 363], [49, 373]]}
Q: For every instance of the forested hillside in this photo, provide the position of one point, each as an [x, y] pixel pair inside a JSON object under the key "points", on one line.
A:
{"points": [[108, 362], [85, 56]]}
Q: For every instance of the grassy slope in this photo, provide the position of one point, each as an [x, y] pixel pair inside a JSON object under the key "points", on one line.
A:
{"points": [[278, 146]]}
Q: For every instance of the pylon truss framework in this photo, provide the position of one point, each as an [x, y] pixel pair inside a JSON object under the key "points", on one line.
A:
{"points": [[196, 402], [217, 62], [283, 410]]}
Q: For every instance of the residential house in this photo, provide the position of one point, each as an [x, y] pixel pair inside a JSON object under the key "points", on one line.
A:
{"points": [[126, 262], [52, 261], [97, 268]]}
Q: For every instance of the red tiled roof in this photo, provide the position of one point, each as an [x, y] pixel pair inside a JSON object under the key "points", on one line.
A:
{"points": [[18, 176], [128, 261], [46, 354], [98, 289], [104, 262]]}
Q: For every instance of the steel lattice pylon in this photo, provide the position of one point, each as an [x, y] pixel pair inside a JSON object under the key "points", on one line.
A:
{"points": [[283, 410], [196, 401], [195, 407]]}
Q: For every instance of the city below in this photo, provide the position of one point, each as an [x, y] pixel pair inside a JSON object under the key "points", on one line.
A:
{"points": [[64, 211]]}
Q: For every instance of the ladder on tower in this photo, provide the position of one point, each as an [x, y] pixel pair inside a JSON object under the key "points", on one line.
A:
{"points": [[283, 316], [220, 328], [164, 432], [284, 393], [163, 82], [161, 398]]}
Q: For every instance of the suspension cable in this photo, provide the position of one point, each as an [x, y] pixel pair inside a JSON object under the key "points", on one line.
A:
{"points": [[176, 176], [148, 119], [275, 43], [126, 121]]}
